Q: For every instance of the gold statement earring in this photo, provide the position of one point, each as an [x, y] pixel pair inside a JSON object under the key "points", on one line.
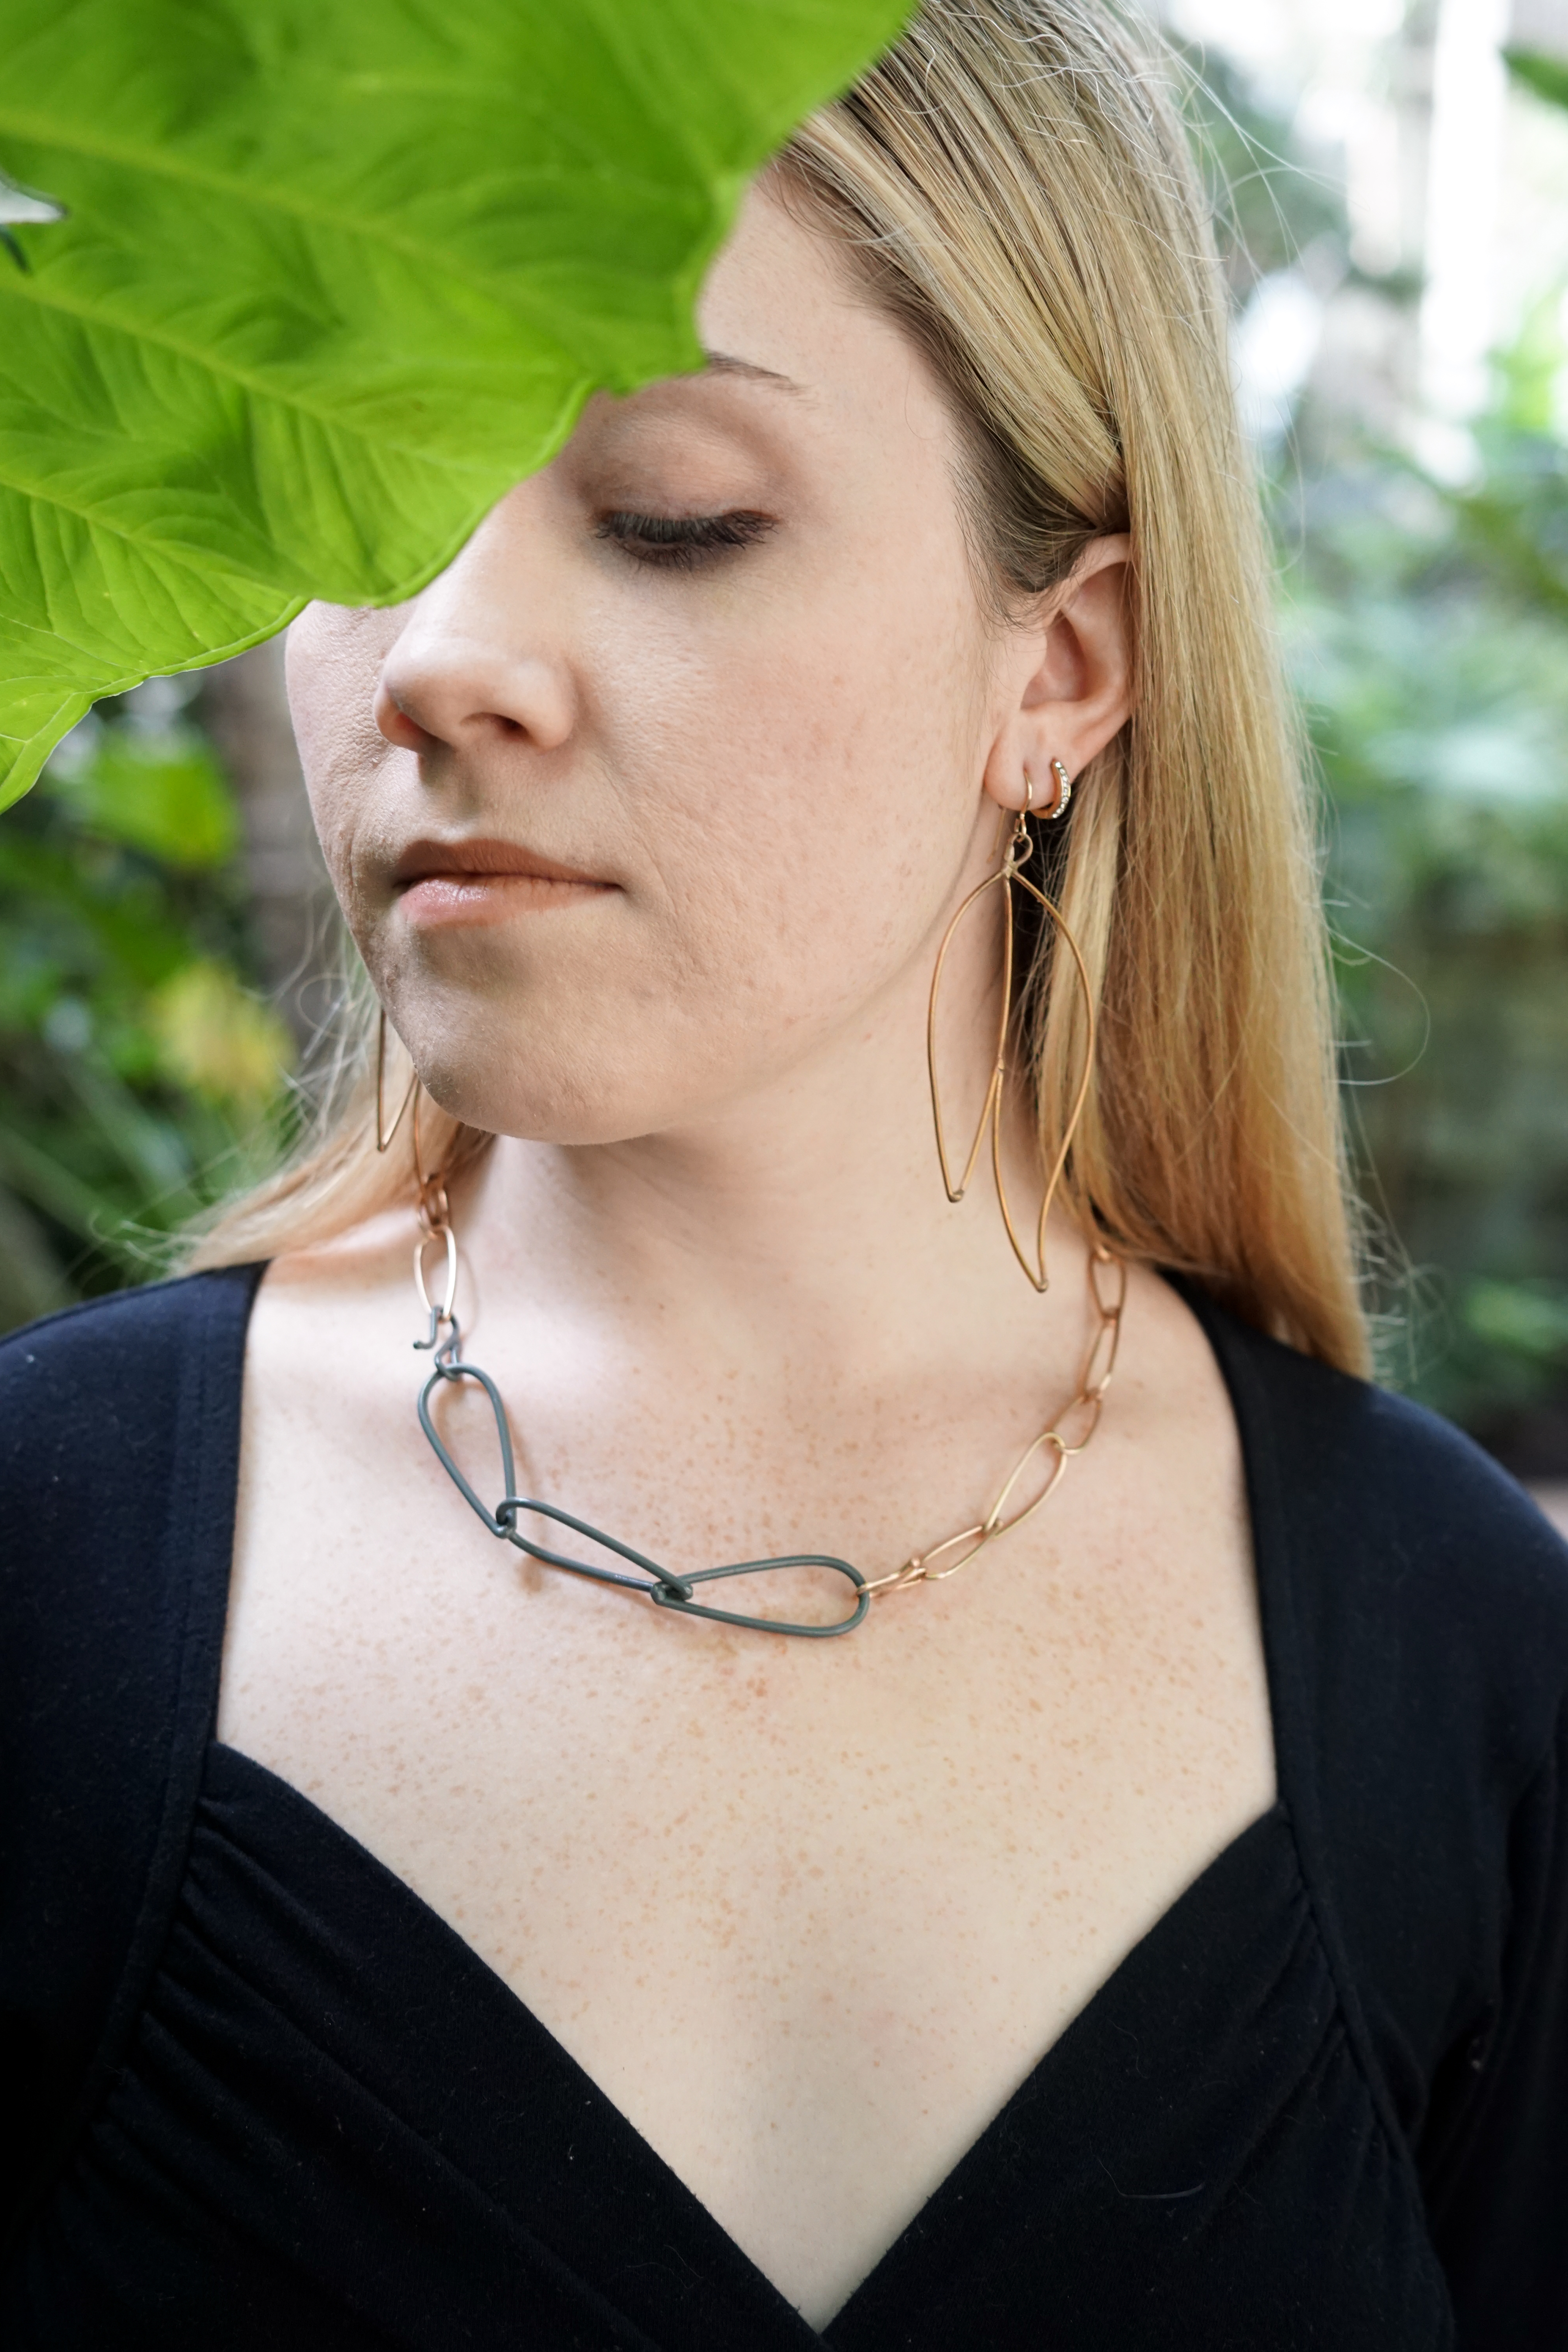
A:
{"points": [[385, 1133], [1019, 847], [434, 1211]]}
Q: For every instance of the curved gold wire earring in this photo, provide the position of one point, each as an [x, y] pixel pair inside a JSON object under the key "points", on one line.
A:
{"points": [[385, 1133], [1019, 847]]}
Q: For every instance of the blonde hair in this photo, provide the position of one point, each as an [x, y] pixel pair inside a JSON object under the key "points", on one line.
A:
{"points": [[1013, 185]]}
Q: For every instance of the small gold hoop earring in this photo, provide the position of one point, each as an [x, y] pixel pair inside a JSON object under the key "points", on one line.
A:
{"points": [[1063, 792], [385, 1133], [1021, 843]]}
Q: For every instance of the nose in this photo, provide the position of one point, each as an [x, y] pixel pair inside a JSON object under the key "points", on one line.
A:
{"points": [[472, 665]]}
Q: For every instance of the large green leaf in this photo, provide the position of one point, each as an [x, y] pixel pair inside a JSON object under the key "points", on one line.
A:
{"points": [[333, 274]]}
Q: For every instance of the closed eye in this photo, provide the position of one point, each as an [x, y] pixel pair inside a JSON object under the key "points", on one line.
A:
{"points": [[682, 542]]}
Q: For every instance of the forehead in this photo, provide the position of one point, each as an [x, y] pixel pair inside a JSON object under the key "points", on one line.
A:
{"points": [[797, 355]]}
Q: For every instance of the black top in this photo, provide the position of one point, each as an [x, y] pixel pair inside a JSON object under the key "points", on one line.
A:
{"points": [[256, 2094]]}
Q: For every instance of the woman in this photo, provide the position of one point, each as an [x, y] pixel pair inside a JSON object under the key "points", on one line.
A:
{"points": [[1154, 1933]]}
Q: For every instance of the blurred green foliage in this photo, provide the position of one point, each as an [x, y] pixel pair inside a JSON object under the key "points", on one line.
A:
{"points": [[1436, 685], [1427, 626], [140, 1073]]}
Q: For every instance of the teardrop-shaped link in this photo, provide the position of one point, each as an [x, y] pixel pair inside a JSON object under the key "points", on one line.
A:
{"points": [[660, 1585]]}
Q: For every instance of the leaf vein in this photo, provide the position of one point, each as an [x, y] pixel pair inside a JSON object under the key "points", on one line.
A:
{"points": [[258, 198]]}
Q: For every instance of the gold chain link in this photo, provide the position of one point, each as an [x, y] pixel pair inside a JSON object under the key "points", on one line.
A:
{"points": [[1065, 1442]]}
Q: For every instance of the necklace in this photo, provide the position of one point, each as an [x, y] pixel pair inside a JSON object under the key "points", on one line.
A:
{"points": [[661, 1585]]}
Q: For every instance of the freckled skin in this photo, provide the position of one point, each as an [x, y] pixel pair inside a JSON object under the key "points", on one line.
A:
{"points": [[808, 1912]]}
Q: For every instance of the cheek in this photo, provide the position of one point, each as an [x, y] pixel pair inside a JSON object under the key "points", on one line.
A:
{"points": [[813, 777], [332, 660]]}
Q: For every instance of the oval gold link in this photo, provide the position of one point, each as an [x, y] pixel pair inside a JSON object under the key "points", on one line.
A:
{"points": [[434, 1208], [1049, 1437], [1100, 1360], [975, 1537], [911, 1572], [1098, 1260], [993, 1523], [1094, 1406], [1100, 1363], [940, 1575], [443, 1313]]}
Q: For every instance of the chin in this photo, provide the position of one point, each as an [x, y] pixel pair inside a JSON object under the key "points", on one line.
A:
{"points": [[555, 1100]]}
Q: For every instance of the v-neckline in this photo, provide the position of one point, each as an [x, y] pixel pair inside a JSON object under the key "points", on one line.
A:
{"points": [[1093, 2018], [1266, 1533]]}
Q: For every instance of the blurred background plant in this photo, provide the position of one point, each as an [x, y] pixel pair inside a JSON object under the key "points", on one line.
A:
{"points": [[166, 943], [145, 1043], [1433, 664], [1412, 424], [1437, 691]]}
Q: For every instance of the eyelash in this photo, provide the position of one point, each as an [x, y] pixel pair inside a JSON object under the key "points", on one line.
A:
{"points": [[682, 542]]}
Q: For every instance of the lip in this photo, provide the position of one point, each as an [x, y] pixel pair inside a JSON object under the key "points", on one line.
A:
{"points": [[485, 881]]}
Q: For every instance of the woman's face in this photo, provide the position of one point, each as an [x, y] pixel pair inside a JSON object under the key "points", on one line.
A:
{"points": [[672, 778]]}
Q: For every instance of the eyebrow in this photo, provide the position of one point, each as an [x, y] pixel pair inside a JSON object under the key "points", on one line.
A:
{"points": [[723, 363]]}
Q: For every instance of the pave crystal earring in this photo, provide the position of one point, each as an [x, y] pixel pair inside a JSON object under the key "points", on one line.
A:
{"points": [[1019, 847]]}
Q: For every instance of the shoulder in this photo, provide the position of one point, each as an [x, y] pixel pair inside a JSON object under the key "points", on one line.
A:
{"points": [[118, 1448], [97, 1392], [119, 1441], [88, 1348], [1416, 1618], [1411, 1567]]}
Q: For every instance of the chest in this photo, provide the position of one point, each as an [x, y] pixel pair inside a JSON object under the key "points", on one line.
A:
{"points": [[807, 1911]]}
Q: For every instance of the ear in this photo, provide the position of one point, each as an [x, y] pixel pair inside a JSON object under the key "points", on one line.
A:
{"points": [[1067, 677]]}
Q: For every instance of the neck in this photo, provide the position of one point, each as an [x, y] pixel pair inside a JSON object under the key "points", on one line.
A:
{"points": [[803, 1228]]}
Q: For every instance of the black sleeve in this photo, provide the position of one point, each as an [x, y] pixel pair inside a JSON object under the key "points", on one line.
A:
{"points": [[1416, 1616], [1495, 2148], [119, 1440]]}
